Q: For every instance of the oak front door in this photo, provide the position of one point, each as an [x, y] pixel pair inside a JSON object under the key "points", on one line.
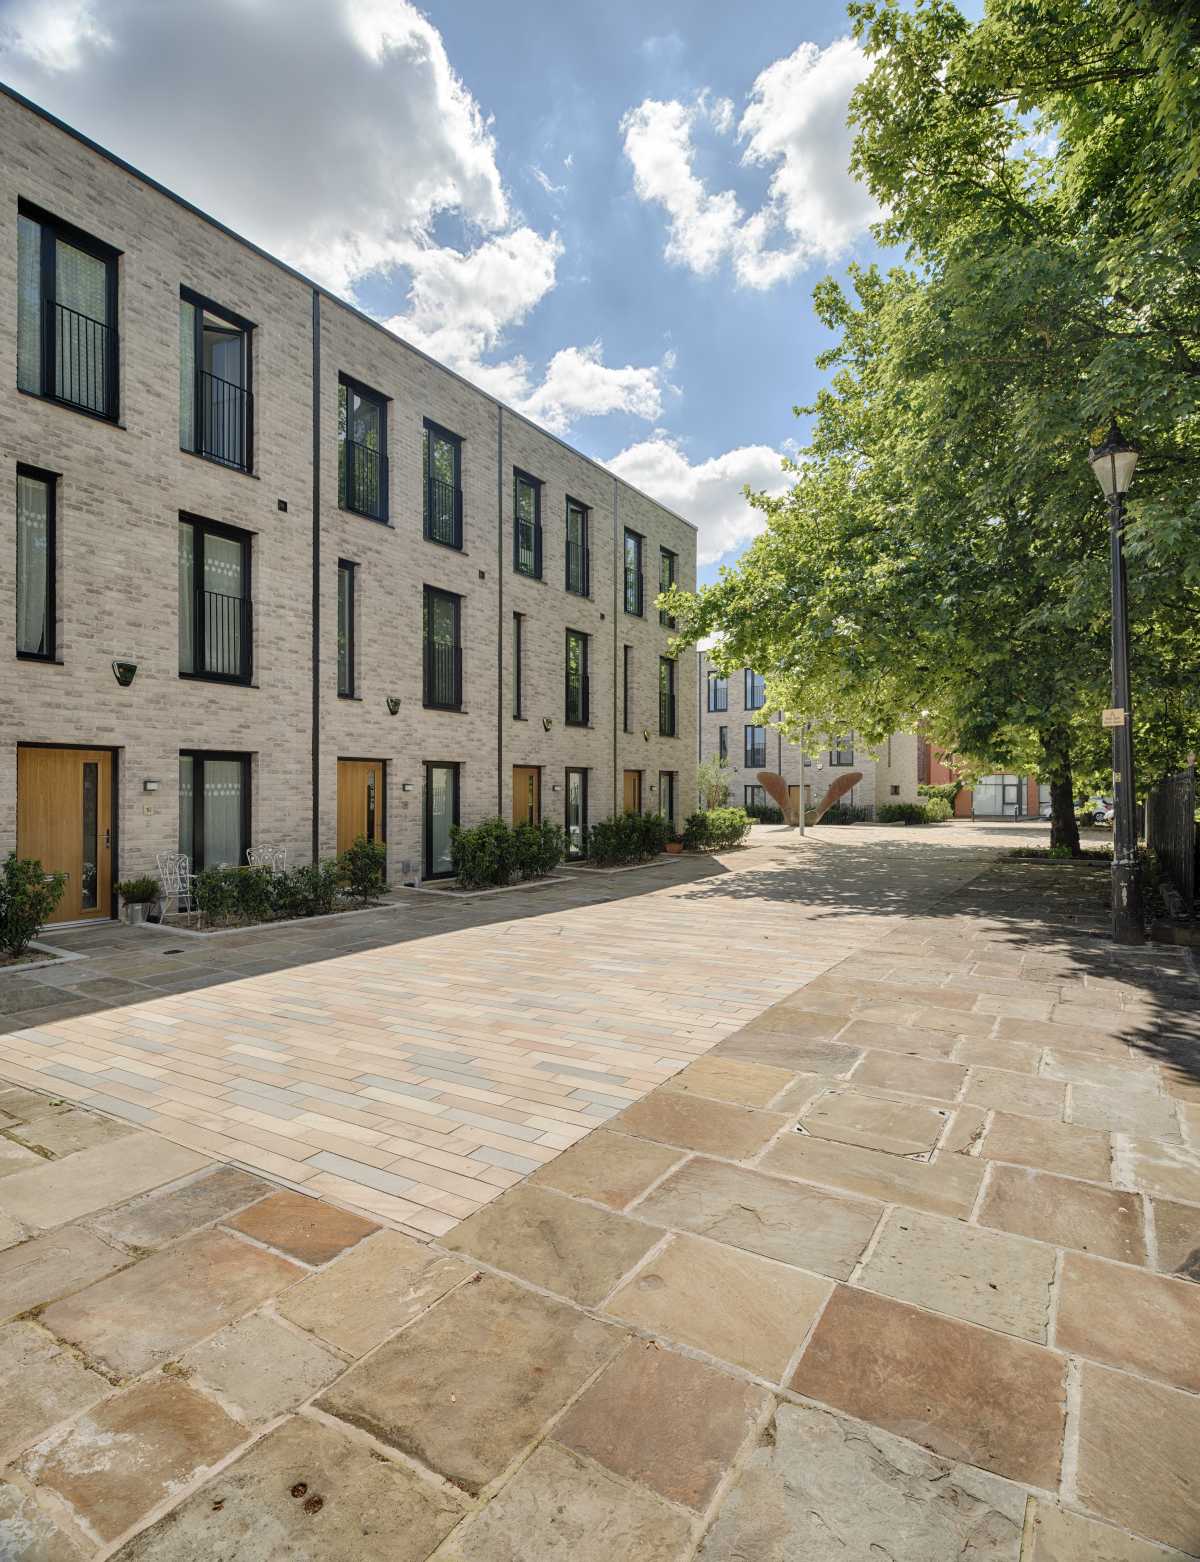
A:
{"points": [[359, 801], [64, 820], [527, 794], [633, 791]]}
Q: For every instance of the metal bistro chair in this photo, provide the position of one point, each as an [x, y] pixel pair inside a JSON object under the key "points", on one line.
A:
{"points": [[273, 857], [176, 879]]}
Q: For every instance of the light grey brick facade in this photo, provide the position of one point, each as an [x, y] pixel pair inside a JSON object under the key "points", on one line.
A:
{"points": [[121, 487]]}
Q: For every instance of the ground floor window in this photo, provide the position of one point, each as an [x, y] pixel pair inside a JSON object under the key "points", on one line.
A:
{"points": [[214, 808], [441, 815], [577, 813], [755, 797], [666, 795]]}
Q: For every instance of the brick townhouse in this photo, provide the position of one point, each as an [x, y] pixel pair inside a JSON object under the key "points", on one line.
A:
{"points": [[281, 579]]}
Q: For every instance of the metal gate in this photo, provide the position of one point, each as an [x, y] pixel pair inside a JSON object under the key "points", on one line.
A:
{"points": [[1171, 831]]}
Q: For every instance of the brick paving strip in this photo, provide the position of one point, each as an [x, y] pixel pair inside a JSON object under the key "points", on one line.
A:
{"points": [[903, 1267]]}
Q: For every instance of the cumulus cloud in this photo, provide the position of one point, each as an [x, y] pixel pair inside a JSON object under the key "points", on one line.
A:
{"points": [[794, 125], [707, 493]]}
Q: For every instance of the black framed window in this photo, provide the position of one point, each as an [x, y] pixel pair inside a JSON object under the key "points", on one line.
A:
{"points": [[443, 486], [216, 404], [754, 797], [215, 614], [626, 687], [756, 748], [667, 564], [518, 666], [723, 742], [214, 808], [756, 696], [441, 815], [442, 650], [842, 752], [576, 819], [37, 563], [527, 525], [718, 692], [347, 582], [66, 314], [577, 679], [362, 450], [633, 573], [666, 697], [579, 571], [666, 795]]}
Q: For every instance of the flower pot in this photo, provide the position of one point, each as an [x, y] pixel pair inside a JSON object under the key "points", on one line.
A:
{"points": [[134, 912], [674, 847]]}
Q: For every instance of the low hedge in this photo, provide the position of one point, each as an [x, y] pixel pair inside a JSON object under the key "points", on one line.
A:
{"points": [[765, 813], [225, 895], [492, 854], [934, 810], [845, 813], [716, 829], [627, 838]]}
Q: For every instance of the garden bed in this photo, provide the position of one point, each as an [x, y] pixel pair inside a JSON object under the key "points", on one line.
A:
{"points": [[34, 955], [179, 925], [1095, 856], [583, 865], [452, 887]]}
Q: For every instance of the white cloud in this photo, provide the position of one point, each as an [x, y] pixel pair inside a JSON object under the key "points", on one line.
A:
{"points": [[547, 184], [794, 124], [708, 493]]}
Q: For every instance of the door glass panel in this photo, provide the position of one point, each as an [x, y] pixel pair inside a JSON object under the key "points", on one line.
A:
{"points": [[91, 836], [370, 805], [576, 817], [222, 812], [442, 782]]}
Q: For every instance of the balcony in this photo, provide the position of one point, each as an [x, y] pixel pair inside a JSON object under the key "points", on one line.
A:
{"points": [[578, 701], [633, 591], [223, 428], [579, 568], [222, 636], [527, 548], [443, 513], [442, 676], [83, 356], [364, 477]]}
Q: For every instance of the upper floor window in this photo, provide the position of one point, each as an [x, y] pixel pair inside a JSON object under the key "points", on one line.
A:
{"points": [[626, 688], [345, 628], [442, 659], [443, 486], [66, 314], [633, 573], [518, 666], [214, 601], [36, 563], [578, 558], [842, 752], [577, 679], [527, 525], [666, 579], [718, 692], [216, 408], [756, 748], [362, 450], [666, 697], [756, 696], [723, 742]]}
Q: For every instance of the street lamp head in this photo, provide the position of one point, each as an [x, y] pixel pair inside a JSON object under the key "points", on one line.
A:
{"points": [[1113, 462]]}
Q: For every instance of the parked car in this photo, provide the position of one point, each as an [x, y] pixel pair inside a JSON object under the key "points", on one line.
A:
{"points": [[1095, 810]]}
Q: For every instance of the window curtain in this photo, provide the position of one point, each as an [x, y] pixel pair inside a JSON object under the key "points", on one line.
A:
{"points": [[224, 586], [187, 375], [187, 602], [29, 305], [187, 804], [33, 565], [81, 285], [222, 812], [441, 816]]}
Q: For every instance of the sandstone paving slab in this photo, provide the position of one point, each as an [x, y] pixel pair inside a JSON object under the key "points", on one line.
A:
{"points": [[1141, 1113], [555, 1242], [473, 1382], [563, 1508], [779, 1219], [935, 1044], [116, 1462], [302, 1227], [946, 1186], [786, 1049], [731, 1079], [16, 1157], [1059, 1536], [965, 1132], [640, 1419], [154, 1219], [1165, 1170], [370, 1292], [802, 1024], [1130, 1318], [964, 1392], [1014, 1057], [1068, 1213], [735, 1306], [1119, 1072], [1053, 1147], [694, 1123], [607, 1168], [11, 1231], [28, 1533], [52, 1265], [1137, 1456], [54, 1192], [65, 1133], [897, 1127], [1023, 1094], [26, 1105], [160, 1306], [1177, 1238], [309, 1493], [821, 1487], [41, 1384], [915, 1076], [259, 1369], [986, 1277]]}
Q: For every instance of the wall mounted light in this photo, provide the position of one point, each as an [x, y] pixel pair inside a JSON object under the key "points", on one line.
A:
{"points": [[406, 786], [124, 672], [393, 705], [646, 733], [546, 723], [151, 786], [556, 787]]}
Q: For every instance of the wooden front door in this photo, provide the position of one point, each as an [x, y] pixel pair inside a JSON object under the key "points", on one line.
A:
{"points": [[633, 791], [527, 794], [359, 801], [64, 820]]}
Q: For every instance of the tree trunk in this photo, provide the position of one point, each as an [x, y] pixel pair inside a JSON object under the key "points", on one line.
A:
{"points": [[1064, 827]]}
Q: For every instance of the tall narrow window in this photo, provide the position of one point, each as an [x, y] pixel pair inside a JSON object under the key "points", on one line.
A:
{"points": [[215, 624], [66, 314], [842, 752], [666, 697], [577, 812], [666, 579], [633, 573], [441, 815], [362, 450], [36, 564], [578, 560], [666, 795], [577, 679], [723, 742], [345, 629], [754, 797], [756, 748], [518, 666], [215, 402], [718, 692], [443, 650], [527, 525], [755, 691], [214, 808], [443, 486], [626, 687]]}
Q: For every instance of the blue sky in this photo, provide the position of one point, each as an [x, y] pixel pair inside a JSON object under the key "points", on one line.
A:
{"points": [[611, 216]]}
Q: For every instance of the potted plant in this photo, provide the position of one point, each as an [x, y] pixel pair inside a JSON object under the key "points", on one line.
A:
{"points": [[674, 845], [136, 895]]}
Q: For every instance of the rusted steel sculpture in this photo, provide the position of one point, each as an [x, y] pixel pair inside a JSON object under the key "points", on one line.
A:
{"points": [[777, 789]]}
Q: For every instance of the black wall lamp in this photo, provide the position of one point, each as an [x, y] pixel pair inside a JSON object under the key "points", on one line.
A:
{"points": [[124, 672], [393, 705]]}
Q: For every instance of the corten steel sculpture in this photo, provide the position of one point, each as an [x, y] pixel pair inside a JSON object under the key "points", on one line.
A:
{"points": [[777, 789]]}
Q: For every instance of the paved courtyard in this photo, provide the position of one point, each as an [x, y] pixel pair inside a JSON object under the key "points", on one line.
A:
{"points": [[883, 1247]]}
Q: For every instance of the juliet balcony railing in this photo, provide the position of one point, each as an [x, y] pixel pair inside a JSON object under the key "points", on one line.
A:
{"points": [[83, 359], [527, 548], [364, 479], [443, 676], [578, 700], [222, 637], [444, 513], [633, 591], [225, 422], [666, 713], [579, 566]]}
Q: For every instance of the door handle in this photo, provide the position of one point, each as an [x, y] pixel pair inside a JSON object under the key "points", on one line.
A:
{"points": [[107, 840]]}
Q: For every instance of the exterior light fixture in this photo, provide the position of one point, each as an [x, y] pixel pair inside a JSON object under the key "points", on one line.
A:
{"points": [[124, 672], [1113, 463], [393, 705], [151, 786], [546, 723], [406, 786], [646, 733]]}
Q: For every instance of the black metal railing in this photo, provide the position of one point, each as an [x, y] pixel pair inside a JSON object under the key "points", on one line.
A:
{"points": [[1171, 832], [756, 752], [364, 479], [443, 676], [578, 700], [225, 636], [579, 568], [443, 512], [718, 695], [633, 590], [83, 359], [666, 713], [223, 428], [527, 548]]}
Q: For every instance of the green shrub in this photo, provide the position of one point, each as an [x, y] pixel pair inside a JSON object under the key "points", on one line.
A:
{"points": [[695, 832], [363, 866], [485, 856], [765, 813], [138, 892], [845, 813], [215, 894], [614, 842], [538, 848], [716, 830], [653, 834], [937, 810], [946, 790], [28, 896], [254, 891], [311, 890]]}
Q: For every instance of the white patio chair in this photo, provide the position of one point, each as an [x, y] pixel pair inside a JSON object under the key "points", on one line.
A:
{"points": [[273, 857], [176, 879]]}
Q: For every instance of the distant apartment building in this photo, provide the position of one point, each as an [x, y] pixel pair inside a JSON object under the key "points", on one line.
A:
{"points": [[1000, 796], [281, 579], [728, 721]]}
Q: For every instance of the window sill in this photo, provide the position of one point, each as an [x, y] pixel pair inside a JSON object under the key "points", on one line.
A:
{"points": [[447, 710], [215, 678], [225, 466], [36, 656], [70, 406], [353, 698], [537, 580], [378, 520], [452, 547]]}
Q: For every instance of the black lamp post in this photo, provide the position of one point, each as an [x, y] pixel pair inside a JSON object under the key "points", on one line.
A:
{"points": [[1113, 463]]}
